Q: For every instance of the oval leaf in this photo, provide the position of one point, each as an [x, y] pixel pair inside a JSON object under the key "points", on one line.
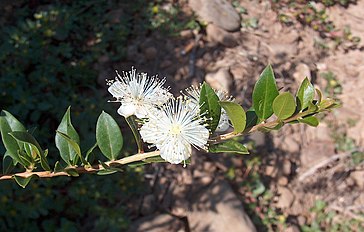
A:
{"points": [[264, 93], [311, 121], [209, 106], [230, 146], [11, 145], [108, 136], [66, 150], [74, 145], [8, 163], [23, 182], [14, 123], [251, 118], [236, 115], [28, 139], [284, 105], [305, 93]]}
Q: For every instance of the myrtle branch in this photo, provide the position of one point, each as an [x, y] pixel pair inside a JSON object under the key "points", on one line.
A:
{"points": [[84, 169]]}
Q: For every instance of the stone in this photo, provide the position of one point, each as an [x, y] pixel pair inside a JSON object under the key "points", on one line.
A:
{"points": [[283, 181], [186, 34], [221, 80], [157, 223], [315, 152], [148, 206], [218, 12], [290, 145], [292, 228], [301, 220], [285, 197], [287, 167], [271, 171], [358, 177], [218, 35], [301, 71], [258, 138], [217, 208]]}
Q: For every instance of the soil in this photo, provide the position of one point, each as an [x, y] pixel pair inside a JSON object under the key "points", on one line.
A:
{"points": [[299, 165]]}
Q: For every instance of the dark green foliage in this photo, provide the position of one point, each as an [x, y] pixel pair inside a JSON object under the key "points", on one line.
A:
{"points": [[48, 54], [236, 115], [264, 93], [209, 106]]}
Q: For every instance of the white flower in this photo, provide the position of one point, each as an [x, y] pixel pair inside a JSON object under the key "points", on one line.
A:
{"points": [[193, 93], [138, 93], [174, 129]]}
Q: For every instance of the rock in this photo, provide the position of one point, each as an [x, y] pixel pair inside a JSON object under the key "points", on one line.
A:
{"points": [[286, 197], [315, 152], [148, 206], [287, 167], [358, 177], [290, 145], [218, 12], [292, 228], [218, 209], [301, 220], [186, 34], [150, 53], [221, 80], [157, 223], [302, 70], [283, 181], [270, 171], [218, 35], [258, 138]]}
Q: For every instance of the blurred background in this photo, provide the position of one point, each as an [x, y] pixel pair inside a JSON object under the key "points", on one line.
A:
{"points": [[55, 54]]}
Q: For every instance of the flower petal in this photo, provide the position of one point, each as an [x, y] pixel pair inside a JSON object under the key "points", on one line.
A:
{"points": [[127, 109]]}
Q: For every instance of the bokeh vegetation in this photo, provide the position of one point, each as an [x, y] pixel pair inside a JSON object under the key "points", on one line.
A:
{"points": [[49, 55]]}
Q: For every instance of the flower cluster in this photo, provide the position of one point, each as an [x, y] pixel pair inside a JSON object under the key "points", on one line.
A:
{"points": [[172, 125]]}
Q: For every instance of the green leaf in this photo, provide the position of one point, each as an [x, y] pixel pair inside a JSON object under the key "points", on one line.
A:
{"points": [[236, 115], [284, 105], [104, 172], [319, 94], [230, 146], [276, 126], [58, 167], [305, 93], [251, 118], [11, 145], [72, 172], [264, 93], [23, 182], [74, 145], [66, 150], [328, 104], [108, 136], [8, 163], [88, 153], [14, 123], [209, 106], [311, 121], [28, 139], [156, 159]]}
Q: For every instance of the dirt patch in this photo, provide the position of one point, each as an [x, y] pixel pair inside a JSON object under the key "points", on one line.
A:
{"points": [[300, 165]]}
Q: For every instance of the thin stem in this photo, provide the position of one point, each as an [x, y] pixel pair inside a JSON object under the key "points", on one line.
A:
{"points": [[249, 130], [134, 128], [92, 169]]}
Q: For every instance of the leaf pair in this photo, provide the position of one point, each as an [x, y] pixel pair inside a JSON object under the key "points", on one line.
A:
{"points": [[211, 108], [108, 138], [20, 145]]}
